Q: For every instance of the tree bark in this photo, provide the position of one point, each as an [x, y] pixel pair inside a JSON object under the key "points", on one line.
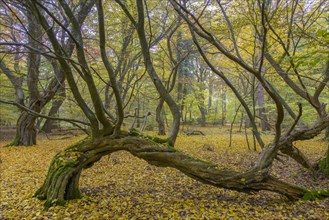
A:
{"points": [[297, 155], [174, 109], [223, 96], [51, 124], [326, 135], [261, 109], [26, 132], [159, 118]]}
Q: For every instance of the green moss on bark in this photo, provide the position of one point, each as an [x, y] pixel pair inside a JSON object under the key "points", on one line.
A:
{"points": [[157, 140]]}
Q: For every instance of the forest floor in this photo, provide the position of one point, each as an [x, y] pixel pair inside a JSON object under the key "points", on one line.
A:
{"points": [[121, 186]]}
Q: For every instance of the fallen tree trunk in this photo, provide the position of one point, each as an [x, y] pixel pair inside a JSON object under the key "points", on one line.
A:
{"points": [[62, 182]]}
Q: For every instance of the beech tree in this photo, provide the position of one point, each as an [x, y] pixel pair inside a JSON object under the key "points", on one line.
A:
{"points": [[106, 133], [36, 49]]}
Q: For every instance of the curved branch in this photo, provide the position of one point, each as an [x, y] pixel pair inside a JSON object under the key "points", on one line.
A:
{"points": [[148, 63], [94, 94], [109, 67], [229, 24], [323, 83], [300, 112]]}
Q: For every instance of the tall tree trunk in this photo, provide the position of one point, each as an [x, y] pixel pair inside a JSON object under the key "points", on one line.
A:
{"points": [[26, 131], [216, 111], [180, 81], [223, 94], [138, 125], [245, 118], [199, 95], [211, 93], [51, 124], [159, 118], [261, 109], [203, 112]]}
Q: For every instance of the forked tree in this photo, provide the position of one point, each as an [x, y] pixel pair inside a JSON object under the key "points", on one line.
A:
{"points": [[32, 43], [107, 136]]}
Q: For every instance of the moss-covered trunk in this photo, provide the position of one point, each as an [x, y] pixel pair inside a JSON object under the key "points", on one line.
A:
{"points": [[62, 182]]}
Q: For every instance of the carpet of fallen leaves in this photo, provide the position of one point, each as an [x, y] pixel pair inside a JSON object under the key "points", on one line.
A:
{"points": [[121, 186]]}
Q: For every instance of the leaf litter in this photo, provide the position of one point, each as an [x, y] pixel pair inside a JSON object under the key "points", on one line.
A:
{"points": [[121, 186]]}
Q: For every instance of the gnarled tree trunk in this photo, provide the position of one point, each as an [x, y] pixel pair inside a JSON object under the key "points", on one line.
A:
{"points": [[26, 132], [62, 182]]}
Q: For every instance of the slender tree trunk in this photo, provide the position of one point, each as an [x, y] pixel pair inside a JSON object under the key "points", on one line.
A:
{"points": [[201, 101], [223, 94], [138, 125], [159, 119], [211, 93], [261, 109], [216, 111], [180, 81], [245, 117], [51, 124], [241, 121]]}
